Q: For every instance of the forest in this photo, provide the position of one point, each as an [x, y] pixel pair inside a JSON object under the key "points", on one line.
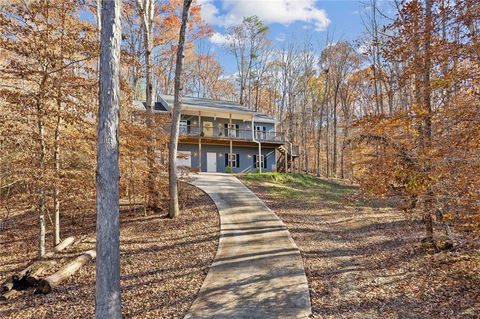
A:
{"points": [[394, 113]]}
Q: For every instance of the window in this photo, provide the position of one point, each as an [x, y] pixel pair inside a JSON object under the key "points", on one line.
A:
{"points": [[232, 160], [262, 159], [184, 126], [231, 130], [260, 132]]}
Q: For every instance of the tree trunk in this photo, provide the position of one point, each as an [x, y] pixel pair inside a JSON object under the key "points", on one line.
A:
{"points": [[427, 122], [177, 109], [46, 285], [151, 184], [107, 174], [56, 190], [146, 10], [335, 155], [41, 186]]}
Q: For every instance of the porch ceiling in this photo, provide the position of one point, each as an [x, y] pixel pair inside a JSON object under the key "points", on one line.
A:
{"points": [[215, 113]]}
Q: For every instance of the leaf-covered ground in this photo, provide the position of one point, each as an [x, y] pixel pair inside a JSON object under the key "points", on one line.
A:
{"points": [[363, 261], [163, 262]]}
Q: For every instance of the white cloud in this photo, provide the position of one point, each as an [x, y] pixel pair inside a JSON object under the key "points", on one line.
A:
{"points": [[218, 38], [270, 11], [281, 37]]}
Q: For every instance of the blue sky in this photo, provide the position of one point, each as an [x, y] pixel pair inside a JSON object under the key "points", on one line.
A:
{"points": [[288, 20]]}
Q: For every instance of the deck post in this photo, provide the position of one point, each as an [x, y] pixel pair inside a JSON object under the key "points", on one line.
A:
{"points": [[231, 143], [199, 143], [291, 156], [285, 156], [253, 129], [260, 157]]}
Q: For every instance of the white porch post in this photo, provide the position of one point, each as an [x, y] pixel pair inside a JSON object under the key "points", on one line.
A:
{"points": [[260, 157], [199, 143], [231, 143], [253, 129]]}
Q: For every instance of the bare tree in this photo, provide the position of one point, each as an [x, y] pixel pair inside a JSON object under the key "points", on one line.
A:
{"points": [[177, 109], [246, 41], [146, 10], [107, 175]]}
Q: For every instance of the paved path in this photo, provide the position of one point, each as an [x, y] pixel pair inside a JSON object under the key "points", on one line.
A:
{"points": [[258, 270]]}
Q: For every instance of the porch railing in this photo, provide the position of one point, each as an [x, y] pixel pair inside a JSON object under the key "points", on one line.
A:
{"points": [[231, 133]]}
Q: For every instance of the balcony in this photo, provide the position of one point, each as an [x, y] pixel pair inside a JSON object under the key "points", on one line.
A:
{"points": [[231, 134]]}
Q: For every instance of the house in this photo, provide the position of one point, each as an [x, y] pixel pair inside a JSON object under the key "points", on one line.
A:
{"points": [[220, 136]]}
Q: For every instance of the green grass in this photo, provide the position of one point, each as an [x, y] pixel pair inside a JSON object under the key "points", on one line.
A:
{"points": [[299, 186]]}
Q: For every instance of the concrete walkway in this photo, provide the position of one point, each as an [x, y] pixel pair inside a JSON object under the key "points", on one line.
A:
{"points": [[258, 270]]}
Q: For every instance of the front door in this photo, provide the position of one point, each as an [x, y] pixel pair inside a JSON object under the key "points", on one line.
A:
{"points": [[211, 162], [207, 129]]}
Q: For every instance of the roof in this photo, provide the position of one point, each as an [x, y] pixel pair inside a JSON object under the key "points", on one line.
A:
{"points": [[212, 105], [158, 106], [165, 104]]}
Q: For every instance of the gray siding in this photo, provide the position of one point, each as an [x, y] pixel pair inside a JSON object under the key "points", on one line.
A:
{"points": [[245, 153], [219, 122]]}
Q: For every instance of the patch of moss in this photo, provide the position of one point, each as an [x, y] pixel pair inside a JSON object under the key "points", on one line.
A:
{"points": [[300, 186]]}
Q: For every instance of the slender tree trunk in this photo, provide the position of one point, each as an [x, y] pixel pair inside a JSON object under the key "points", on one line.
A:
{"points": [[107, 175], [327, 143], [146, 10], [41, 186], [335, 155], [56, 189], [427, 120], [151, 185], [177, 110]]}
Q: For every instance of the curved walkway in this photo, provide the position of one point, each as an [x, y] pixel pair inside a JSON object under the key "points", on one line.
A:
{"points": [[258, 270]]}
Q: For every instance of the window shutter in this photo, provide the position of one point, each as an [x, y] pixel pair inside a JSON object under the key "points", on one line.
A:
{"points": [[238, 160], [254, 161], [226, 160]]}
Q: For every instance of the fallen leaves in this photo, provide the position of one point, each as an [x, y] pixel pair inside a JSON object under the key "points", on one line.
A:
{"points": [[163, 263], [366, 262]]}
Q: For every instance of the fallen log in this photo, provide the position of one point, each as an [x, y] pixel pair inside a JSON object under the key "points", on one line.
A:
{"points": [[9, 294], [19, 281], [34, 276], [64, 244], [80, 240], [46, 285]]}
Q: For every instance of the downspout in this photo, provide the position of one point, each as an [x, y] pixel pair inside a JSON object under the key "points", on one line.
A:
{"points": [[259, 145]]}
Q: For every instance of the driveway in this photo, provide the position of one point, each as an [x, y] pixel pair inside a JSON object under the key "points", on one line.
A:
{"points": [[258, 270]]}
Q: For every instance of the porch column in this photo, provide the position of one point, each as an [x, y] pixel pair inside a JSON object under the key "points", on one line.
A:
{"points": [[231, 143], [260, 156], [199, 143], [253, 129], [291, 156]]}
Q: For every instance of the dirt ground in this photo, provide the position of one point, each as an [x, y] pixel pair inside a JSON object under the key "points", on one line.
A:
{"points": [[163, 262], [363, 261]]}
